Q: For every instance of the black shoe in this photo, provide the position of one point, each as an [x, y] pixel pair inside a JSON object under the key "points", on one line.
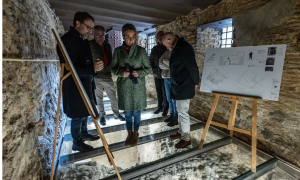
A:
{"points": [[173, 122], [89, 137], [165, 112], [169, 119], [158, 110], [81, 146], [120, 117], [102, 121]]}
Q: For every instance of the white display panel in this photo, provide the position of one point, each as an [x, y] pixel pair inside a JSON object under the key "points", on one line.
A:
{"points": [[250, 71]]}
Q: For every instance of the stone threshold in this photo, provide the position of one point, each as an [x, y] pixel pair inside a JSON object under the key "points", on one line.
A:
{"points": [[121, 145]]}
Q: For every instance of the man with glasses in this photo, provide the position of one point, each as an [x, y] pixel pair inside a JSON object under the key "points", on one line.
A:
{"points": [[77, 46], [101, 50]]}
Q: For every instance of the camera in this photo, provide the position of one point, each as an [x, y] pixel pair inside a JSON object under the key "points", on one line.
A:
{"points": [[131, 77]]}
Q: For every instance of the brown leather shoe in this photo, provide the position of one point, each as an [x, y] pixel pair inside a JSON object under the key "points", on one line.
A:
{"points": [[175, 136], [135, 138], [182, 144], [129, 138]]}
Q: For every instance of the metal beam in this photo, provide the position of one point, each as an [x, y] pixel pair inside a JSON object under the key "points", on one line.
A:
{"points": [[260, 170]]}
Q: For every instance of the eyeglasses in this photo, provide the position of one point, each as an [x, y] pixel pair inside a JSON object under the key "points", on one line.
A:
{"points": [[88, 27]]}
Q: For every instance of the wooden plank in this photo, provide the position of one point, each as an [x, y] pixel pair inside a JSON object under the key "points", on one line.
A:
{"points": [[213, 108], [242, 131], [254, 134], [219, 124], [232, 116]]}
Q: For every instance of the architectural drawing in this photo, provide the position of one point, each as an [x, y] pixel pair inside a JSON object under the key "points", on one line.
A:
{"points": [[211, 59], [216, 77], [232, 59], [252, 80]]}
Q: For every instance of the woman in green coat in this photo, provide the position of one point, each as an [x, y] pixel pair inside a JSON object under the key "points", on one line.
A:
{"points": [[131, 64]]}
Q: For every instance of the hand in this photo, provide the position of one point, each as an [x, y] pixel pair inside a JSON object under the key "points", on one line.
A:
{"points": [[126, 74], [98, 65], [197, 86], [135, 74]]}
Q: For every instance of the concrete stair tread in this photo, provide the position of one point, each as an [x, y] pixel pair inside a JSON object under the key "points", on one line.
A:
{"points": [[111, 121]]}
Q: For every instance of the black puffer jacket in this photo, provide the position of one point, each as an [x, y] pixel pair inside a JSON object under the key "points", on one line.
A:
{"points": [[156, 52], [183, 71]]}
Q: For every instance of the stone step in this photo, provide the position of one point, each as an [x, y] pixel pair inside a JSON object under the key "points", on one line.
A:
{"points": [[118, 133], [113, 124], [151, 148]]}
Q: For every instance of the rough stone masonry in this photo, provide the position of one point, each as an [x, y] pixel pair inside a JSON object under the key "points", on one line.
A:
{"points": [[267, 22], [30, 90]]}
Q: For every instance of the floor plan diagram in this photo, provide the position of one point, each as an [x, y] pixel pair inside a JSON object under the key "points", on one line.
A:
{"points": [[252, 80], [216, 77]]}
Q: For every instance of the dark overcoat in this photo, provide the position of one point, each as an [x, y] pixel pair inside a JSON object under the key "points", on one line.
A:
{"points": [[184, 71], [80, 54]]}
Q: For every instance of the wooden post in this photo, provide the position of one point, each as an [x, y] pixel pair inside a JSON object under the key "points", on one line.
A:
{"points": [[57, 116], [254, 131], [209, 120]]}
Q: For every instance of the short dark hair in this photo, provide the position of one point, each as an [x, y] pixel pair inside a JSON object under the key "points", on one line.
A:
{"points": [[160, 34], [128, 27], [98, 27], [81, 16]]}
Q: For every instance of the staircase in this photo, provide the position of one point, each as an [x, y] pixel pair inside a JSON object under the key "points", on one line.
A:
{"points": [[155, 157]]}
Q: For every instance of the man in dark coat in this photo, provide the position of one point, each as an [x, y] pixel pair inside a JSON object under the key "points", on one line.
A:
{"points": [[102, 50], [184, 76], [156, 52], [77, 46]]}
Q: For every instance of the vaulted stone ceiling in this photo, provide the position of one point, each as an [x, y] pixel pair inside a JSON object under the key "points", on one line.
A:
{"points": [[112, 14]]}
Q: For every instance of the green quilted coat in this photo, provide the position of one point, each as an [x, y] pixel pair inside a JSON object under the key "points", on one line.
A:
{"points": [[131, 96]]}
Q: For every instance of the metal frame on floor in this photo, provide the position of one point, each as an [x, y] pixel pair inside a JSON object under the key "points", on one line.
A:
{"points": [[167, 161], [121, 145]]}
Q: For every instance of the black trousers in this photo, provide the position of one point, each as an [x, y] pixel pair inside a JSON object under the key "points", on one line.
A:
{"points": [[161, 93], [78, 128]]}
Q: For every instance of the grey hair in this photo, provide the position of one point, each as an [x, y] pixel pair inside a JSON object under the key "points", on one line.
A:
{"points": [[98, 27]]}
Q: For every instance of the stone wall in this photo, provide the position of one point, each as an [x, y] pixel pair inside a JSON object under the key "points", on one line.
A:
{"points": [[30, 90], [278, 22]]}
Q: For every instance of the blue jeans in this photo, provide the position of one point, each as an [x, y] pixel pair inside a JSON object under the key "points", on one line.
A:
{"points": [[172, 102], [137, 119], [78, 128]]}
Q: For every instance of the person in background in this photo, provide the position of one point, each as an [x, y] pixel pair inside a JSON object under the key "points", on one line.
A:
{"points": [[101, 50], [184, 75], [77, 46], [156, 52], [164, 64], [131, 64]]}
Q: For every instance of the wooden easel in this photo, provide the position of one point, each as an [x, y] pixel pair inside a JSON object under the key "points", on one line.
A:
{"points": [[234, 99], [94, 118]]}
